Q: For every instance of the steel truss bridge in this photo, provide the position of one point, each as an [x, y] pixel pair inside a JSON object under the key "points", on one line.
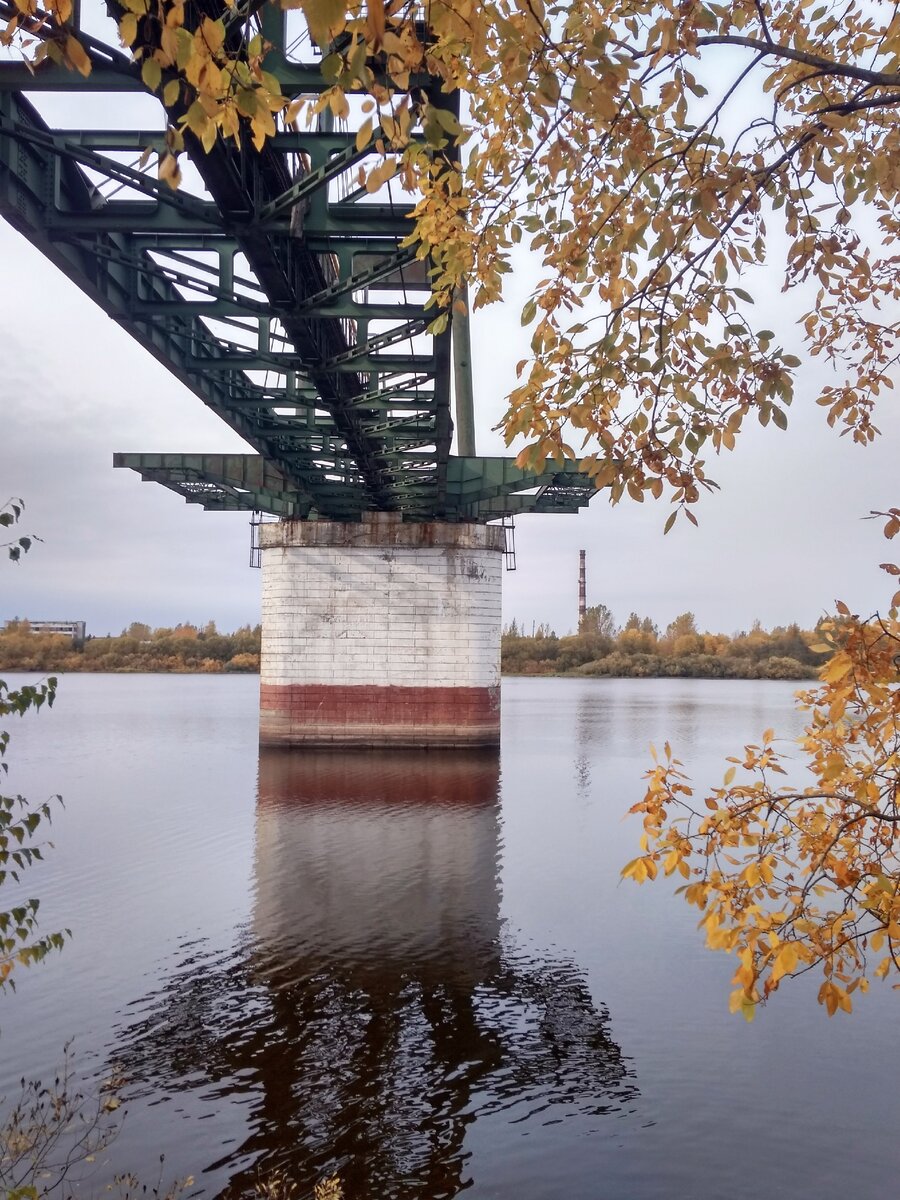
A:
{"points": [[271, 284]]}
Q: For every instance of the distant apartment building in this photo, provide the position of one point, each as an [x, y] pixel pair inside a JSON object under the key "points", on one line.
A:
{"points": [[73, 629]]}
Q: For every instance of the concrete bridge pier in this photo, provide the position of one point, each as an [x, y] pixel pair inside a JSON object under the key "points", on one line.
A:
{"points": [[380, 632]]}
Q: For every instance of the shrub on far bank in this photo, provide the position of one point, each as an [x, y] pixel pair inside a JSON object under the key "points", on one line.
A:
{"points": [[639, 651], [243, 662], [185, 648], [694, 666]]}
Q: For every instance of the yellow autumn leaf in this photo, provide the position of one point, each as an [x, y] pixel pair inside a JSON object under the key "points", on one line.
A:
{"points": [[128, 29], [78, 56], [213, 33], [196, 119], [208, 136], [636, 870], [786, 961], [169, 171], [294, 109], [375, 22], [326, 18], [151, 73], [836, 669], [364, 134]]}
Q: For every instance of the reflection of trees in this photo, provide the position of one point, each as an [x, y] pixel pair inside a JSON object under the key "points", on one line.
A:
{"points": [[591, 716], [375, 1011]]}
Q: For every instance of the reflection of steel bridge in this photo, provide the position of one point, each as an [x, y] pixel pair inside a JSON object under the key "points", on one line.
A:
{"points": [[271, 284]]}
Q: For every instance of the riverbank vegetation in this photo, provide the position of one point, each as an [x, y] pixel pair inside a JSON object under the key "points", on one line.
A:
{"points": [[22, 824], [639, 649], [184, 648]]}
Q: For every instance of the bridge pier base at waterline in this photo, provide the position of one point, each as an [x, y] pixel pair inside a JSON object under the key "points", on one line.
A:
{"points": [[380, 632]]}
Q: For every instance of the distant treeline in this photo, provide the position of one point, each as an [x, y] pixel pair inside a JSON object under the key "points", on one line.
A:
{"points": [[137, 648], [600, 647], [639, 649]]}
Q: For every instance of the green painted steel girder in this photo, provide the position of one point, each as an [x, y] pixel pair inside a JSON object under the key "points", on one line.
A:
{"points": [[478, 488], [164, 287], [211, 479], [282, 295]]}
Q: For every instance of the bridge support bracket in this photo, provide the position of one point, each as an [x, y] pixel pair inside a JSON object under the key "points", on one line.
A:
{"points": [[380, 632]]}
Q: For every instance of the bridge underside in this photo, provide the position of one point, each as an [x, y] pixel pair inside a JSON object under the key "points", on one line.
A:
{"points": [[271, 283]]}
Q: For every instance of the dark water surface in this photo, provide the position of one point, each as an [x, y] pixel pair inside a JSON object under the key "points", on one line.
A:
{"points": [[420, 970]]}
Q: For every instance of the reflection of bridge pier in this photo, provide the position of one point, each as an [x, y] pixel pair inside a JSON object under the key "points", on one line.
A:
{"points": [[375, 921], [386, 864], [376, 1010]]}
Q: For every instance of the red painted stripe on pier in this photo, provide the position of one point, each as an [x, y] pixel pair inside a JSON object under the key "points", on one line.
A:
{"points": [[364, 714]]}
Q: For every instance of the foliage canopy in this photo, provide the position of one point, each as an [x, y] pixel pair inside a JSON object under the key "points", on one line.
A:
{"points": [[793, 878]]}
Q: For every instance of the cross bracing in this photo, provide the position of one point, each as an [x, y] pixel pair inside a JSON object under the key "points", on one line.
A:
{"points": [[271, 284]]}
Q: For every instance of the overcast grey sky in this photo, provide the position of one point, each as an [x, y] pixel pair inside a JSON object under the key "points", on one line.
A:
{"points": [[781, 540]]}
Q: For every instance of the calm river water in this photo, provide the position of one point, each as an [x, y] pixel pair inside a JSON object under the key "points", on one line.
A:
{"points": [[421, 971]]}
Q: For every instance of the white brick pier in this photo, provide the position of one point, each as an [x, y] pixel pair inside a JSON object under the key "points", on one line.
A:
{"points": [[380, 632]]}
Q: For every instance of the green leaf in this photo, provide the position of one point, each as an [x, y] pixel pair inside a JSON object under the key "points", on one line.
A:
{"points": [[447, 121], [247, 102], [332, 65]]}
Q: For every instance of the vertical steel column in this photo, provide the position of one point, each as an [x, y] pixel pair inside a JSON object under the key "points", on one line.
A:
{"points": [[462, 379]]}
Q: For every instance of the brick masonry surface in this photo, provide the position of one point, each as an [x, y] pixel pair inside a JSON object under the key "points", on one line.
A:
{"points": [[380, 633]]}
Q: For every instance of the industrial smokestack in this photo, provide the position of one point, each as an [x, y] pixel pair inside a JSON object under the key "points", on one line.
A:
{"points": [[582, 589]]}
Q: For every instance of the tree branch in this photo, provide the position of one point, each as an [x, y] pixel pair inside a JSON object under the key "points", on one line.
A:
{"points": [[826, 65]]}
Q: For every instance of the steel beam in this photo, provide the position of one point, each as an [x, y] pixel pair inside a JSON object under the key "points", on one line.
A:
{"points": [[477, 488]]}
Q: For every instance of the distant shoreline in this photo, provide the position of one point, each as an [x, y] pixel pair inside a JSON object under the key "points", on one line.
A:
{"points": [[725, 678]]}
